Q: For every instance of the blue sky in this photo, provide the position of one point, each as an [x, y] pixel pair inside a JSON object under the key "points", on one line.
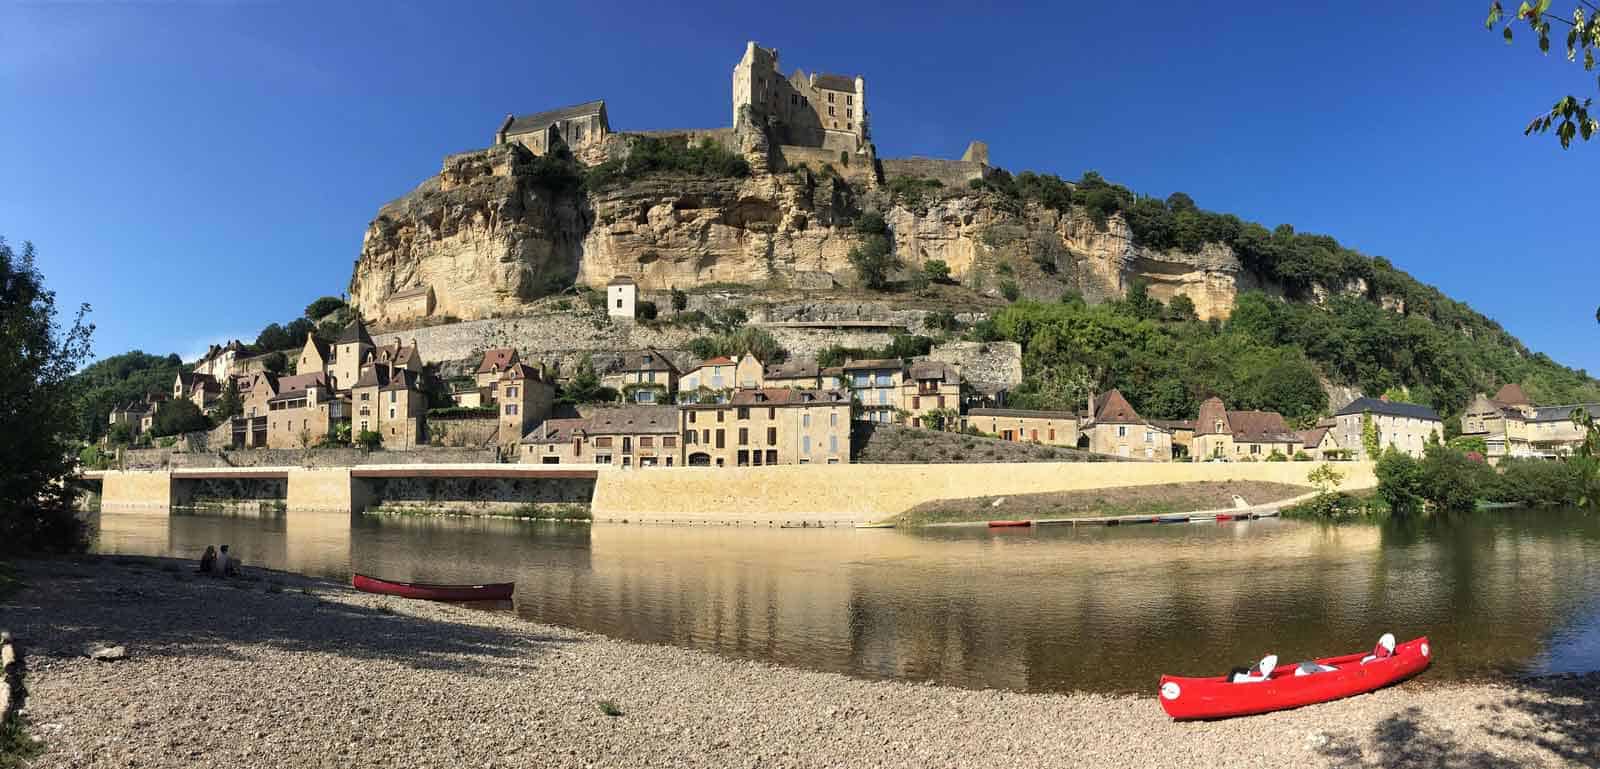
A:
{"points": [[197, 170]]}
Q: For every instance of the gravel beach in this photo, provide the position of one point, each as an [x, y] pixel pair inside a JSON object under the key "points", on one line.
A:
{"points": [[286, 671]]}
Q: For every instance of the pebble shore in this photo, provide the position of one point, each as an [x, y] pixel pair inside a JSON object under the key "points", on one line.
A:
{"points": [[284, 671]]}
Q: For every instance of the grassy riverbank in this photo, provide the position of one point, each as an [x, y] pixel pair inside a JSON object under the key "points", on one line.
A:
{"points": [[235, 674], [1159, 499]]}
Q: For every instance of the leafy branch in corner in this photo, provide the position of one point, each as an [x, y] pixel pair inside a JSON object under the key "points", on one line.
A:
{"points": [[1570, 116]]}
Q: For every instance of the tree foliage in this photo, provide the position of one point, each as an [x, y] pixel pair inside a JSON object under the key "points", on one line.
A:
{"points": [[37, 414], [119, 379], [178, 416], [649, 155], [585, 387], [323, 307], [1570, 115]]}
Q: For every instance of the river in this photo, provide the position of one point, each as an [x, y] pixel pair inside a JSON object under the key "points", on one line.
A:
{"points": [[1047, 609]]}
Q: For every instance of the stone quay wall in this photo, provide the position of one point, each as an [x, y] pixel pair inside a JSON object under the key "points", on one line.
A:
{"points": [[164, 459]]}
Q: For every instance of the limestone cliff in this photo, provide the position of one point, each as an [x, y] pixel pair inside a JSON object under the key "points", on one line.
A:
{"points": [[496, 229]]}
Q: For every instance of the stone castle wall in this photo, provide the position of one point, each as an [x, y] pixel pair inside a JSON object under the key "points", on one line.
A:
{"points": [[953, 174]]}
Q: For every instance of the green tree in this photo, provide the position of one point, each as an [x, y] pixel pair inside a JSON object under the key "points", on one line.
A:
{"points": [[680, 301], [176, 417], [369, 440], [37, 415], [936, 270], [585, 387], [874, 260], [120, 434], [1401, 483], [275, 363], [323, 307], [230, 404], [1570, 115], [1181, 308], [274, 337]]}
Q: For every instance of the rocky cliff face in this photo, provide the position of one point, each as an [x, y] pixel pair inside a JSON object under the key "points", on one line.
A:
{"points": [[492, 232]]}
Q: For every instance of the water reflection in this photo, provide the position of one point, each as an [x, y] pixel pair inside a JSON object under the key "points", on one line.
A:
{"points": [[1042, 609]]}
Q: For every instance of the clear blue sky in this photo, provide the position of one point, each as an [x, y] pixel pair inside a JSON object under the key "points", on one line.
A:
{"points": [[197, 170]]}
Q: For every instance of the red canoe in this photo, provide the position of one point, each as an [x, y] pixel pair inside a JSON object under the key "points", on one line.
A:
{"points": [[494, 592], [1216, 697], [1005, 524]]}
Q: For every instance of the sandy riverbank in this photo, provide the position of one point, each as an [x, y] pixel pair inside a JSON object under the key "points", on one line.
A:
{"points": [[291, 672]]}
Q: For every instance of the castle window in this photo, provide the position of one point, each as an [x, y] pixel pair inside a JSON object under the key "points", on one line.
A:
{"points": [[848, 99], [848, 126], [830, 109], [830, 101]]}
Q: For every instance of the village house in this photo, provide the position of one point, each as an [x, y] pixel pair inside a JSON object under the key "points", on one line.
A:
{"points": [[1182, 431], [1221, 434], [386, 400], [715, 378], [202, 390], [290, 412], [875, 385], [1114, 427], [495, 362], [222, 361], [523, 398], [315, 356], [131, 414], [1050, 428], [929, 386], [623, 436], [399, 355], [768, 426], [797, 374], [622, 297], [350, 351], [1319, 441], [643, 376], [1405, 426], [1512, 426]]}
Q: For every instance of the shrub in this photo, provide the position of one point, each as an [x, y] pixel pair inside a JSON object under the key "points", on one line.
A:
{"points": [[1400, 482], [936, 270], [179, 416], [1009, 290], [941, 320], [873, 260], [369, 440], [649, 155], [680, 301], [1277, 456], [1301, 456]]}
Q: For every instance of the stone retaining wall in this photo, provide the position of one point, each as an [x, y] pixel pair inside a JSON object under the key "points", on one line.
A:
{"points": [[164, 459]]}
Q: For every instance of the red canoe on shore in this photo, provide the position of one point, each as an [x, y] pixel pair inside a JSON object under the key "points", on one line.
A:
{"points": [[493, 592], [1006, 524], [1216, 697]]}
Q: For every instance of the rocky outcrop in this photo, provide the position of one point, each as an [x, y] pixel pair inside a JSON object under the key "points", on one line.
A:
{"points": [[499, 227]]}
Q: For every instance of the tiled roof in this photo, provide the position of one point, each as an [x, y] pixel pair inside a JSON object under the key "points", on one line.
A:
{"points": [[528, 123], [521, 371], [317, 344], [1313, 438], [1173, 424], [795, 369], [1512, 395], [834, 82], [874, 364], [1112, 408], [1211, 411], [555, 430], [1389, 408], [645, 360], [497, 359], [932, 369], [1023, 414], [621, 280], [1260, 427], [779, 396], [1564, 413], [401, 379], [626, 420], [373, 375], [355, 332], [293, 385]]}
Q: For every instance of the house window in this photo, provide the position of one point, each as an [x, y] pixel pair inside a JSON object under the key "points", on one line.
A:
{"points": [[603, 443], [691, 417], [619, 304], [1122, 431], [392, 393], [720, 415], [645, 396], [883, 380], [688, 439], [511, 410], [627, 446], [669, 441], [391, 413], [511, 392], [1052, 433], [833, 444], [363, 425], [805, 445], [1149, 436], [772, 436], [860, 380], [366, 396], [646, 442], [744, 412], [1255, 448], [772, 456], [833, 419], [744, 436], [742, 458], [604, 459], [805, 419], [848, 126], [720, 442]]}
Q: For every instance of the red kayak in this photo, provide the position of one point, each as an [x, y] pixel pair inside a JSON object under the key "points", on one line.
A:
{"points": [[1217, 697], [1008, 524], [494, 592]]}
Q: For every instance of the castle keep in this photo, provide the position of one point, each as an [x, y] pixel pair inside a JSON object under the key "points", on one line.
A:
{"points": [[819, 110]]}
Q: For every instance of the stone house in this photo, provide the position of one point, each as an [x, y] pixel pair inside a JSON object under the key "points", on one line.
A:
{"points": [[298, 411], [201, 389], [622, 297], [1182, 431], [410, 303], [876, 385], [643, 376], [1406, 426], [1512, 426], [768, 426], [1051, 428], [1319, 442], [579, 127], [495, 362], [797, 374], [716, 377], [623, 436], [927, 386], [386, 400], [1221, 434], [524, 398], [350, 351], [315, 356], [1114, 427], [556, 442], [399, 355], [221, 361]]}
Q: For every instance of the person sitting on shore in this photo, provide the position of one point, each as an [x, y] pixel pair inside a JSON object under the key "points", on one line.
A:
{"points": [[235, 563], [224, 563], [1384, 649], [1257, 673], [208, 559]]}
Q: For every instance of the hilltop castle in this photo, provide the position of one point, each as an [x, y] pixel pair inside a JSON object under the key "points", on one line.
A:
{"points": [[817, 119]]}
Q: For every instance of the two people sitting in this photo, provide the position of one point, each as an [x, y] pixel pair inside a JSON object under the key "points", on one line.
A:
{"points": [[222, 564], [1262, 671]]}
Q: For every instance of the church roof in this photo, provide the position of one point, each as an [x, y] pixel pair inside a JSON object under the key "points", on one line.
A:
{"points": [[529, 123]]}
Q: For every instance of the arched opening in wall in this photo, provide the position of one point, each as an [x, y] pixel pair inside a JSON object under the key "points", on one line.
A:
{"points": [[1083, 441], [700, 459]]}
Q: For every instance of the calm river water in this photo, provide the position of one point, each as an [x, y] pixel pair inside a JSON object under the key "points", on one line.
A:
{"points": [[1049, 609]]}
